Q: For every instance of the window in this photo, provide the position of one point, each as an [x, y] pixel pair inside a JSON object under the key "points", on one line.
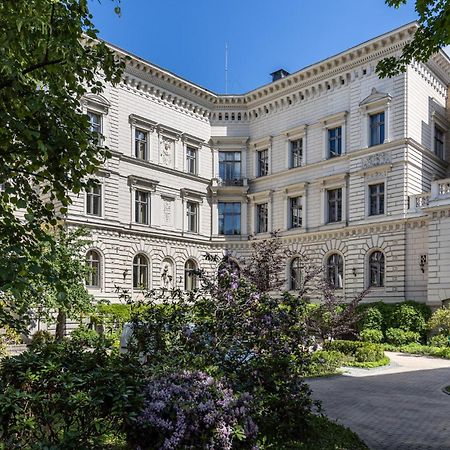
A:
{"points": [[334, 205], [191, 160], [439, 142], [376, 199], [95, 126], [334, 142], [229, 218], [94, 200], [262, 214], [296, 152], [335, 271], [295, 212], [190, 275], [376, 128], [192, 216], [141, 207], [230, 165], [93, 263], [263, 162], [140, 271], [140, 144], [376, 269], [296, 274]]}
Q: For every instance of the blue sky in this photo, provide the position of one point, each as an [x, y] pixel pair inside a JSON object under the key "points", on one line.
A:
{"points": [[188, 37]]}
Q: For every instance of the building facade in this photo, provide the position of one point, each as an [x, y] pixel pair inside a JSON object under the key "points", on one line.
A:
{"points": [[352, 169]]}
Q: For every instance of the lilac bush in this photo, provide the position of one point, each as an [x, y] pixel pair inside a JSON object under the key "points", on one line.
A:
{"points": [[192, 410]]}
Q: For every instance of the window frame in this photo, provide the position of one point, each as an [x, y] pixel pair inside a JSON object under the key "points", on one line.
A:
{"points": [[337, 267], [299, 207], [90, 112], [380, 269], [379, 204], [138, 141], [439, 130], [190, 276], [381, 137], [262, 217], [225, 215], [296, 153], [89, 276], [338, 204], [136, 203], [224, 164], [262, 159], [338, 139], [137, 275], [190, 149], [190, 214], [295, 274], [90, 200]]}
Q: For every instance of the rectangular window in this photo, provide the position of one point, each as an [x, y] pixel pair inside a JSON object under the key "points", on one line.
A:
{"points": [[263, 162], [94, 200], [296, 153], [439, 142], [334, 142], [334, 205], [295, 212], [376, 199], [141, 207], [376, 129], [191, 160], [229, 218], [192, 216], [95, 126], [140, 144], [262, 215], [230, 165]]}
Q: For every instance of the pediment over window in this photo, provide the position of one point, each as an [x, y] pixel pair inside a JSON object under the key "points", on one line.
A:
{"points": [[96, 102], [376, 98]]}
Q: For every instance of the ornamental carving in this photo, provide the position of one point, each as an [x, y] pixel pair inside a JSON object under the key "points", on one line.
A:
{"points": [[167, 276], [168, 211], [167, 150], [379, 159]]}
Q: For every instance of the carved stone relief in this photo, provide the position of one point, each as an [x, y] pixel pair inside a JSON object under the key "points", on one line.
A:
{"points": [[167, 152], [378, 159], [168, 211], [167, 274]]}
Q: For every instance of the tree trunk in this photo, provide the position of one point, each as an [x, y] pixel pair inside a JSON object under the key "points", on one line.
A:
{"points": [[60, 325]]}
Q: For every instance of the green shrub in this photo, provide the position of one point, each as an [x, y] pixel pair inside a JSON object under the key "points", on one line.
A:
{"points": [[59, 396], [369, 353], [357, 351], [439, 340], [87, 337], [41, 338], [371, 319], [371, 335], [324, 362], [410, 317], [398, 336], [440, 321]]}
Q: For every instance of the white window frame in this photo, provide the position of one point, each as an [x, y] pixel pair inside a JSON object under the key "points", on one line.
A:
{"points": [[257, 146], [149, 267], [329, 123], [437, 120], [257, 221], [295, 134], [369, 253], [100, 270], [148, 221], [368, 186], [146, 125], [102, 200], [197, 218], [371, 177]]}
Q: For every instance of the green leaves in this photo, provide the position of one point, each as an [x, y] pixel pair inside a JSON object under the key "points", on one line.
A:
{"points": [[50, 59]]}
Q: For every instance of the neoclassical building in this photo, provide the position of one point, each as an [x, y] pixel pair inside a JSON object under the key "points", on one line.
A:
{"points": [[352, 169]]}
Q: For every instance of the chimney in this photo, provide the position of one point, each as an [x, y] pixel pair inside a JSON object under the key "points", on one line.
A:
{"points": [[278, 74]]}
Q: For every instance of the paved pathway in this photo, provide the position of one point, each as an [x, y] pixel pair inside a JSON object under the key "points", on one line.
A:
{"points": [[397, 407]]}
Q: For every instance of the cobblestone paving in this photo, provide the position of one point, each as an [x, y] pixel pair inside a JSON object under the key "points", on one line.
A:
{"points": [[398, 407]]}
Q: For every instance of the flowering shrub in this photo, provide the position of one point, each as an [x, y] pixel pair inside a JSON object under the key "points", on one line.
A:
{"points": [[192, 410]]}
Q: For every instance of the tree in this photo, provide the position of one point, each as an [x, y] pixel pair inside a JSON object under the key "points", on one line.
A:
{"points": [[432, 34], [50, 58]]}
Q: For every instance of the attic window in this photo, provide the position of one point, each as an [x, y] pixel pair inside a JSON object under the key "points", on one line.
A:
{"points": [[220, 116]]}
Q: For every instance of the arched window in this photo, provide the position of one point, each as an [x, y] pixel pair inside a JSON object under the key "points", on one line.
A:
{"points": [[140, 271], [190, 276], [296, 274], [376, 269], [335, 271], [93, 260]]}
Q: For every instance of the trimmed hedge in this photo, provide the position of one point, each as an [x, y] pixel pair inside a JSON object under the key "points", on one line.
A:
{"points": [[417, 349], [371, 335], [324, 362], [358, 351], [397, 336]]}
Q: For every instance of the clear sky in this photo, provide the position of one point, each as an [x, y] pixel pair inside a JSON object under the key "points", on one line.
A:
{"points": [[188, 37]]}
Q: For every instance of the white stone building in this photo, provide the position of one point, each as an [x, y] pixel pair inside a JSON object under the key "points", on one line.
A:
{"points": [[351, 168]]}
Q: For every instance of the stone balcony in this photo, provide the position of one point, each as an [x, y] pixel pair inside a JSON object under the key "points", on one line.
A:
{"points": [[235, 186], [439, 196]]}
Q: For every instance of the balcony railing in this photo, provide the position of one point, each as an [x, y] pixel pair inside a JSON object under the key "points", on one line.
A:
{"points": [[439, 195]]}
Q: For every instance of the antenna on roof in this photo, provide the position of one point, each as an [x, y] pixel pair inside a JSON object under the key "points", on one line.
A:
{"points": [[226, 68]]}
